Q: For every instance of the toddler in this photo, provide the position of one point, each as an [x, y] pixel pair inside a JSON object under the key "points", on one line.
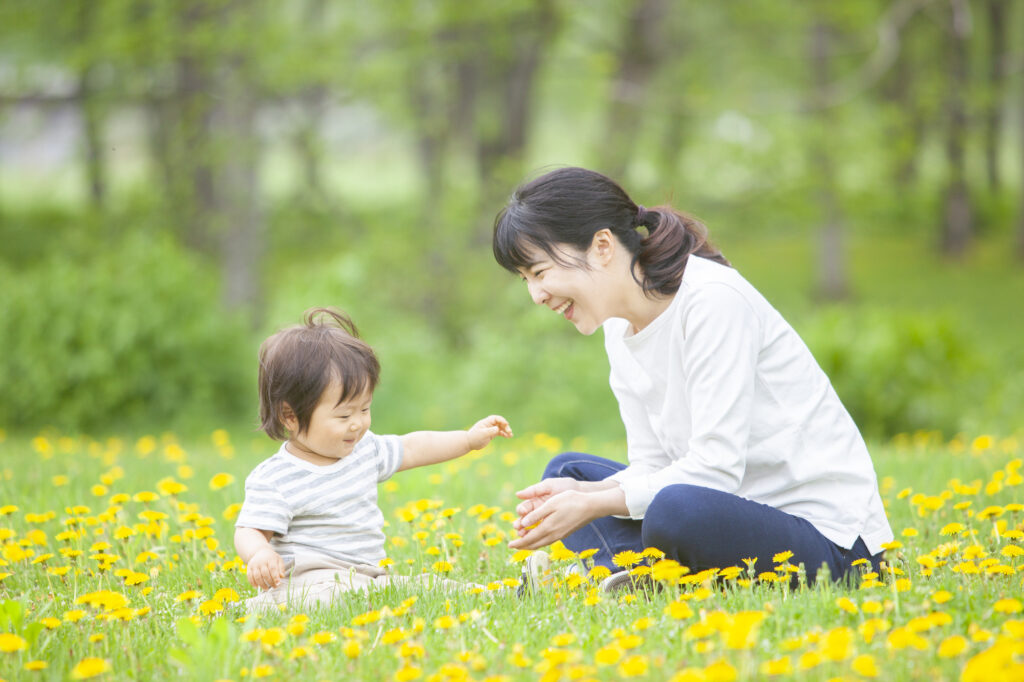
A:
{"points": [[310, 511]]}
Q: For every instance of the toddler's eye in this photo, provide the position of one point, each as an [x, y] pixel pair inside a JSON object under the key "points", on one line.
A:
{"points": [[344, 416]]}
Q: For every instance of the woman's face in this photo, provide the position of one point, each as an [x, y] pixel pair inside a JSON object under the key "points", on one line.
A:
{"points": [[572, 291]]}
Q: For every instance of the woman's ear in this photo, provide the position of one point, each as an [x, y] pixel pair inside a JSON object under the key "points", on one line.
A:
{"points": [[602, 247]]}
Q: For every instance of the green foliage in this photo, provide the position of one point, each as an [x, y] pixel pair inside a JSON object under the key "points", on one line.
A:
{"points": [[132, 333], [896, 372]]}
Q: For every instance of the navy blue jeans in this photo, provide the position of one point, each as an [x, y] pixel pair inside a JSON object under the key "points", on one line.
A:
{"points": [[703, 528]]}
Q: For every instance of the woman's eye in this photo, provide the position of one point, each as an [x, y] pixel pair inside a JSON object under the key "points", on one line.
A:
{"points": [[344, 416]]}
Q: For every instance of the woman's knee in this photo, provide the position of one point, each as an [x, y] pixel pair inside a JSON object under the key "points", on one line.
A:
{"points": [[564, 465], [674, 517]]}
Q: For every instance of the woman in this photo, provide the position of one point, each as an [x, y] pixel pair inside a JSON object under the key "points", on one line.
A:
{"points": [[738, 446]]}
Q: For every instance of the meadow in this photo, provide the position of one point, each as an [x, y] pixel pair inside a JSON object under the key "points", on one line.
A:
{"points": [[117, 564]]}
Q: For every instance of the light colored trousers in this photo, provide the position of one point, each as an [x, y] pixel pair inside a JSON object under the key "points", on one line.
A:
{"points": [[317, 580]]}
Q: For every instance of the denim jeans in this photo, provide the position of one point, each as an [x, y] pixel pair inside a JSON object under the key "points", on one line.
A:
{"points": [[703, 528]]}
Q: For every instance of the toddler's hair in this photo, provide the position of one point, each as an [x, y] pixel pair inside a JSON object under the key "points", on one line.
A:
{"points": [[298, 363]]}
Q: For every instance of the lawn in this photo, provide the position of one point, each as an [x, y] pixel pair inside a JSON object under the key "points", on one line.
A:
{"points": [[117, 563]]}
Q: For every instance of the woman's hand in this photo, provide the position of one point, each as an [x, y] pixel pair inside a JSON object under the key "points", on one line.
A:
{"points": [[539, 493], [560, 515]]}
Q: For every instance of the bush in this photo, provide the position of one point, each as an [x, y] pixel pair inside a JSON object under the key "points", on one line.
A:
{"points": [[132, 336], [896, 372]]}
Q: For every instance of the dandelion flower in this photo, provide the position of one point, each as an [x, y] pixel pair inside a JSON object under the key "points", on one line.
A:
{"points": [[35, 665], [89, 667], [952, 646], [1007, 606], [864, 665], [10, 643]]}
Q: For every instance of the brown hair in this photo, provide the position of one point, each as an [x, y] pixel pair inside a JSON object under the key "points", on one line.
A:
{"points": [[298, 363], [570, 205]]}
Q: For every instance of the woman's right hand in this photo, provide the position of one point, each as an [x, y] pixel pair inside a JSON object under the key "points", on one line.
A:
{"points": [[265, 569], [539, 493]]}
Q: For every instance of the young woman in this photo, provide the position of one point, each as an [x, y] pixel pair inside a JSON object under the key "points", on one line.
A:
{"points": [[738, 446]]}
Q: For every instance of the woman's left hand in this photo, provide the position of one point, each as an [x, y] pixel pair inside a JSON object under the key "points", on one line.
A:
{"points": [[559, 516]]}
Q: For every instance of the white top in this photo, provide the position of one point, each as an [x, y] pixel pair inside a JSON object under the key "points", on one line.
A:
{"points": [[719, 391], [328, 510]]}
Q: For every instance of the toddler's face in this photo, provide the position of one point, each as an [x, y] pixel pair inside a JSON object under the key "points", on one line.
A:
{"points": [[334, 429]]}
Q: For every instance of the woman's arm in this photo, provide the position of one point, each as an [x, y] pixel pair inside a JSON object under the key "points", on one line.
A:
{"points": [[421, 448]]}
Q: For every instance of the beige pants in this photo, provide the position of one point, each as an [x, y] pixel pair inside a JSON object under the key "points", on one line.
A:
{"points": [[317, 580]]}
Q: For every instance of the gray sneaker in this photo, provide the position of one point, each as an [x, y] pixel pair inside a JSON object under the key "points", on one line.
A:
{"points": [[625, 580]]}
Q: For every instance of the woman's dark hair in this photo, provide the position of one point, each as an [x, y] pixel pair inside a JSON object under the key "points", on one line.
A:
{"points": [[298, 363], [569, 205]]}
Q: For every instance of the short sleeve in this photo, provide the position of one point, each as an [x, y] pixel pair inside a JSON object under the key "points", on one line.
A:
{"points": [[264, 508], [388, 454]]}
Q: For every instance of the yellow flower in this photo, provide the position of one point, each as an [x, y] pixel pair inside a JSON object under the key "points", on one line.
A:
{"points": [[634, 666], [445, 623], [1007, 606], [323, 637], [846, 604], [782, 557], [778, 666], [352, 648], [50, 623], [10, 642], [608, 655], [272, 636], [559, 552], [187, 595], [442, 567], [35, 665], [408, 672], [952, 646], [864, 665], [221, 480], [720, 671], [89, 667], [60, 480], [626, 559]]}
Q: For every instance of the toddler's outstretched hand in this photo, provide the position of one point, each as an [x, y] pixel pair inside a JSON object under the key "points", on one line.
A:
{"points": [[487, 429]]}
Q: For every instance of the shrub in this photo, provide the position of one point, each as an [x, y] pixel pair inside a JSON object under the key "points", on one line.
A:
{"points": [[896, 372], [133, 335]]}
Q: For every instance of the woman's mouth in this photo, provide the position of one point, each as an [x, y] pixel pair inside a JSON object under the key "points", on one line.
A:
{"points": [[564, 308]]}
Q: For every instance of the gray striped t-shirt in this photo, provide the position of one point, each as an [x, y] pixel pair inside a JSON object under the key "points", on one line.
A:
{"points": [[330, 509]]}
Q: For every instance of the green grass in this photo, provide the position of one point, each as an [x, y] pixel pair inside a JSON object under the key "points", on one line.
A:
{"points": [[464, 508]]}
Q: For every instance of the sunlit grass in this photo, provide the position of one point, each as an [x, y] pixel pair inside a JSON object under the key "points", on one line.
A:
{"points": [[116, 563]]}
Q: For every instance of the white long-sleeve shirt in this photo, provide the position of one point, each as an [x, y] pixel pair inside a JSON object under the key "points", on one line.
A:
{"points": [[719, 391]]}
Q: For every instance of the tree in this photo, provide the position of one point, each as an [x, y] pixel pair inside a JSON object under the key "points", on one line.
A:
{"points": [[958, 219]]}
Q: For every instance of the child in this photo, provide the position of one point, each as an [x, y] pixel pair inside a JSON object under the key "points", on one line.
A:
{"points": [[313, 505]]}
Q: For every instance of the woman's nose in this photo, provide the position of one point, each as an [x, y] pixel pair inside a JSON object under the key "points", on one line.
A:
{"points": [[537, 293]]}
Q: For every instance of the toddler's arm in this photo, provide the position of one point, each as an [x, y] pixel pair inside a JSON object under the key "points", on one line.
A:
{"points": [[264, 566], [430, 447]]}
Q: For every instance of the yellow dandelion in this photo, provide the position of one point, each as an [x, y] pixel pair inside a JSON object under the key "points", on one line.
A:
{"points": [[89, 667], [187, 595], [953, 646], [442, 567], [1007, 606], [778, 666], [352, 648], [35, 665], [846, 604], [11, 642], [634, 666], [720, 671], [221, 480], [626, 559]]}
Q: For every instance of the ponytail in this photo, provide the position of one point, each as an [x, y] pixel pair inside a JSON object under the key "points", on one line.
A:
{"points": [[568, 206], [671, 238]]}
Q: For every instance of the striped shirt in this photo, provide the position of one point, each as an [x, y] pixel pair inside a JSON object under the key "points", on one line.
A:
{"points": [[328, 510]]}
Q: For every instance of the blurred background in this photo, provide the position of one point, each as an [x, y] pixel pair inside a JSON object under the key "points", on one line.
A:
{"points": [[180, 178]]}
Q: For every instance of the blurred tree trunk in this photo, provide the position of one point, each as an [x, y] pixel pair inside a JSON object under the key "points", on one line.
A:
{"points": [[1020, 148], [907, 127], [92, 108], [638, 58], [504, 75], [832, 281], [997, 28], [958, 220], [242, 224], [313, 100]]}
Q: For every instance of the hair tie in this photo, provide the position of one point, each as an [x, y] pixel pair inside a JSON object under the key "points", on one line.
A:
{"points": [[641, 213]]}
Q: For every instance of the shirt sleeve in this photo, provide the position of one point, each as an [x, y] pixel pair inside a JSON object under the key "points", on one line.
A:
{"points": [[264, 508], [388, 453], [720, 347]]}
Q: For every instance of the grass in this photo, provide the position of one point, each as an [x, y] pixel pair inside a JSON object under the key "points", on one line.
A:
{"points": [[96, 580]]}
